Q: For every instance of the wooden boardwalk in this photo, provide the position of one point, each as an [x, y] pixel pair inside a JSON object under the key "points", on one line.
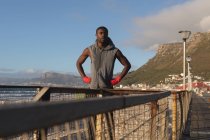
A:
{"points": [[200, 117]]}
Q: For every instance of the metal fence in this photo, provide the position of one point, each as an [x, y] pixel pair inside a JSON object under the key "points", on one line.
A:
{"points": [[82, 114], [180, 109]]}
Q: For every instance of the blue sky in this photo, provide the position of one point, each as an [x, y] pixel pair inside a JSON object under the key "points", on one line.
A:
{"points": [[49, 35]]}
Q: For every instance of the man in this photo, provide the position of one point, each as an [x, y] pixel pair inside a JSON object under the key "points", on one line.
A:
{"points": [[102, 54]]}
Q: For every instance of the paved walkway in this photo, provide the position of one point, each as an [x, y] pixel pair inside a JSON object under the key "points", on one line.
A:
{"points": [[200, 117]]}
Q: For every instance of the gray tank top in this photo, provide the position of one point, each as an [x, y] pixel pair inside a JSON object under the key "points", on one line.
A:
{"points": [[102, 66]]}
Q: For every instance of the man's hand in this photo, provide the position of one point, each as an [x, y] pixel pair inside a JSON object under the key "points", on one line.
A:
{"points": [[116, 80], [86, 79]]}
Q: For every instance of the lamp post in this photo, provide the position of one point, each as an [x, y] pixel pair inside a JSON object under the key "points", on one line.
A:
{"points": [[185, 35], [188, 58]]}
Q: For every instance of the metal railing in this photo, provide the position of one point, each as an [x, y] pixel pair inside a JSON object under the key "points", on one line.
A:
{"points": [[72, 113], [180, 109]]}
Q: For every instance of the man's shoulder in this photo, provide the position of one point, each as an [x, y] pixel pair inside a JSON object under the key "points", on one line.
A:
{"points": [[91, 46], [115, 48]]}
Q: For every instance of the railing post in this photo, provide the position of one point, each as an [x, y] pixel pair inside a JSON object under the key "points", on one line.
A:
{"points": [[184, 110], [174, 116], [181, 113], [42, 95], [185, 107], [68, 130], [99, 121], [163, 118], [77, 130], [85, 122], [154, 108], [110, 124], [187, 100], [43, 134]]}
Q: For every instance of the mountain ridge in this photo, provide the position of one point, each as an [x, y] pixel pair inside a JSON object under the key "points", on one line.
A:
{"points": [[169, 60], [47, 78]]}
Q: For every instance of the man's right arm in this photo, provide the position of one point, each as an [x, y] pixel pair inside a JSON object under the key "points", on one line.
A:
{"points": [[81, 60]]}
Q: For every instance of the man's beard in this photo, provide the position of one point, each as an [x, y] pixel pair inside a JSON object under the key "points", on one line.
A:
{"points": [[102, 40]]}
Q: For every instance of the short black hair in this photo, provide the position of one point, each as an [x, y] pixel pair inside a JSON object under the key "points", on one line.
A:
{"points": [[102, 27]]}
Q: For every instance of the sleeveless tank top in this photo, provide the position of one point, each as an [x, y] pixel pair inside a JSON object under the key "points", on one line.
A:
{"points": [[102, 65]]}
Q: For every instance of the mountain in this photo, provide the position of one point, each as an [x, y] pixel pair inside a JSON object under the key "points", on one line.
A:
{"points": [[169, 60], [47, 78], [58, 78]]}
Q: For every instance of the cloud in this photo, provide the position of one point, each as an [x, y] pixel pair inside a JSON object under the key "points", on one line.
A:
{"points": [[27, 73], [32, 71], [205, 23], [163, 27]]}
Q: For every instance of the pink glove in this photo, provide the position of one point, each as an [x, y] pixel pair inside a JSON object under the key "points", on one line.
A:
{"points": [[86, 79], [116, 80]]}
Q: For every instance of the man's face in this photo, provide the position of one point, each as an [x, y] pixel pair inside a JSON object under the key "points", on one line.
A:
{"points": [[101, 35]]}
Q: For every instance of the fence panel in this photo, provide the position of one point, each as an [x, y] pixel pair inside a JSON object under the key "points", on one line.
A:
{"points": [[117, 114]]}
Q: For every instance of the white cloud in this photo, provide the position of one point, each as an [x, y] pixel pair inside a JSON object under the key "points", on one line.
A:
{"points": [[33, 71], [30, 70], [205, 23], [27, 73], [163, 27]]}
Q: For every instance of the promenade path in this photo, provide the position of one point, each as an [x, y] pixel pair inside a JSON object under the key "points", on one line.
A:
{"points": [[200, 117]]}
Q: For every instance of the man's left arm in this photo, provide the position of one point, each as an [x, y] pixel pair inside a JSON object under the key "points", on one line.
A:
{"points": [[124, 61]]}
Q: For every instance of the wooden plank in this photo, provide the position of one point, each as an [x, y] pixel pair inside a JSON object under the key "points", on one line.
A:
{"points": [[110, 125], [25, 136], [142, 99], [78, 129], [99, 132], [85, 122], [73, 90], [64, 89], [92, 123], [153, 126], [18, 86], [40, 94], [174, 116], [131, 91], [68, 132], [43, 134]]}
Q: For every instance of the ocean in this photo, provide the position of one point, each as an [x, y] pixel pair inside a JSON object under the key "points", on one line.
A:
{"points": [[16, 95]]}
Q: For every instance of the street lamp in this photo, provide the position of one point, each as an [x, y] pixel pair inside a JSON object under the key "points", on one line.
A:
{"points": [[185, 35], [188, 58]]}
